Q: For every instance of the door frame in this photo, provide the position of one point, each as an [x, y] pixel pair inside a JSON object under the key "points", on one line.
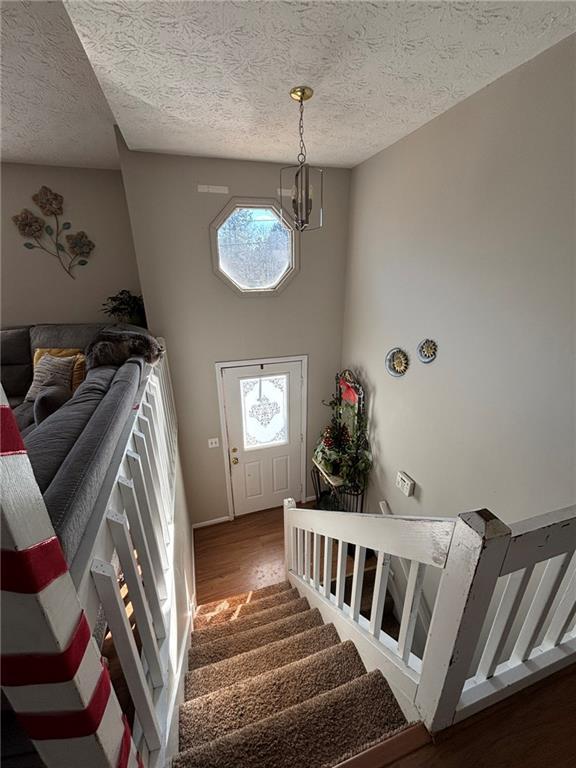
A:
{"points": [[220, 368]]}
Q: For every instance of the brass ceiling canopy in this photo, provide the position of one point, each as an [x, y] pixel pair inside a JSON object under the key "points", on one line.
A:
{"points": [[301, 93]]}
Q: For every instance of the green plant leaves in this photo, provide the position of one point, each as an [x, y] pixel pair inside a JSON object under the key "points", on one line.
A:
{"points": [[48, 229], [66, 225], [29, 246]]}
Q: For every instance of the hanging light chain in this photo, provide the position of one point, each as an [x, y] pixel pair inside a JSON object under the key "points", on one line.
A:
{"points": [[302, 153]]}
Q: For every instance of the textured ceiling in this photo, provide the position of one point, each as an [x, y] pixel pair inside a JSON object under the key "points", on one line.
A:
{"points": [[212, 78], [53, 110]]}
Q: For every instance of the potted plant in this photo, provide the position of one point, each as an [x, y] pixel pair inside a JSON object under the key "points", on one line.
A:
{"points": [[125, 307]]}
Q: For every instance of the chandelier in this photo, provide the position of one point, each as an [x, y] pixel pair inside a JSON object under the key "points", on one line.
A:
{"points": [[302, 186]]}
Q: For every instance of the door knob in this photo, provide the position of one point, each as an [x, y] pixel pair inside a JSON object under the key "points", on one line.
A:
{"points": [[234, 460], [234, 450]]}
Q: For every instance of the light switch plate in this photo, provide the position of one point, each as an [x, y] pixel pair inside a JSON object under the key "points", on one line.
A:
{"points": [[213, 442]]}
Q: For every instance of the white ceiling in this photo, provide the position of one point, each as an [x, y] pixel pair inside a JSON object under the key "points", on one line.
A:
{"points": [[212, 78], [53, 110]]}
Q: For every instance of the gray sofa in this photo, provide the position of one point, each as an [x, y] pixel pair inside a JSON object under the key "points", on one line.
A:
{"points": [[70, 450]]}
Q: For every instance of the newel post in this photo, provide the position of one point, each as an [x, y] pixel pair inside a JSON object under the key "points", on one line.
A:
{"points": [[477, 551]]}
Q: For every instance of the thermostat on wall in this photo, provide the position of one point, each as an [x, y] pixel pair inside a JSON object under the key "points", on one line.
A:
{"points": [[405, 483]]}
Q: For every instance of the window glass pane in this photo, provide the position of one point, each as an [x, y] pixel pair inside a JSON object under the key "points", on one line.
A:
{"points": [[254, 248], [264, 411]]}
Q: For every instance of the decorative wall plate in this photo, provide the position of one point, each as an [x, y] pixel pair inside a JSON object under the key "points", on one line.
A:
{"points": [[397, 362], [427, 350]]}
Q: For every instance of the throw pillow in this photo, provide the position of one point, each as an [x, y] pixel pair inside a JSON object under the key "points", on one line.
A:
{"points": [[56, 369], [79, 372], [50, 398]]}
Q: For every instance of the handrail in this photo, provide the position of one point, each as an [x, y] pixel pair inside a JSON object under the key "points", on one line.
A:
{"points": [[424, 539], [531, 633]]}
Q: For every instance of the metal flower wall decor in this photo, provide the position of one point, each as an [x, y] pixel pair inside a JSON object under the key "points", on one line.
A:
{"points": [[48, 237]]}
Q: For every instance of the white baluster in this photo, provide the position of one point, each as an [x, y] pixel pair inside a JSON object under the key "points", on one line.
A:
{"points": [[125, 550], [152, 575], [316, 561], [410, 610], [357, 581], [379, 596], [341, 572], [307, 537], [300, 551], [503, 621], [563, 616], [106, 583], [149, 521], [142, 449], [327, 566]]}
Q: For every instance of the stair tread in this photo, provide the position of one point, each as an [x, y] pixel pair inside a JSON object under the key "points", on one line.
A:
{"points": [[322, 729], [229, 709], [239, 642], [222, 615], [259, 660], [249, 622], [243, 597]]}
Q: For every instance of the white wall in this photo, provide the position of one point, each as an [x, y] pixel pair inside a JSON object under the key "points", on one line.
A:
{"points": [[465, 232], [204, 321], [35, 289]]}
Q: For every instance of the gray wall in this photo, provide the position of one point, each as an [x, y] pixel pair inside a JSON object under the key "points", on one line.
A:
{"points": [[204, 321], [465, 232], [35, 289]]}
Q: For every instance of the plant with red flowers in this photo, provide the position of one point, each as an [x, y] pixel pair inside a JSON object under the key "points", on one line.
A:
{"points": [[47, 237], [343, 449]]}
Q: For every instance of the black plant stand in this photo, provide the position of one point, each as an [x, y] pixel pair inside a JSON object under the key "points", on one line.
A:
{"points": [[331, 493]]}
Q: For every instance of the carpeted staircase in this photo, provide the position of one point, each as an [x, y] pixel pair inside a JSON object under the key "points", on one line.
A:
{"points": [[271, 686]]}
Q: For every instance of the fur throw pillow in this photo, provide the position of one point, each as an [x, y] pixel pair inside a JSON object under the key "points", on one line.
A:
{"points": [[111, 347]]}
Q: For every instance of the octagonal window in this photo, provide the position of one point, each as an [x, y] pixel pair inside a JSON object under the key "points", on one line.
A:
{"points": [[253, 248]]}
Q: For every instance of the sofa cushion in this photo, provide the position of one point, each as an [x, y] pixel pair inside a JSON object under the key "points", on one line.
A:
{"points": [[50, 443], [24, 414], [72, 494], [16, 361], [49, 401], [56, 370], [63, 336]]}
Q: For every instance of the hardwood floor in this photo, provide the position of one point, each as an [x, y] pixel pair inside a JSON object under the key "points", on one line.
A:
{"points": [[535, 728], [246, 553]]}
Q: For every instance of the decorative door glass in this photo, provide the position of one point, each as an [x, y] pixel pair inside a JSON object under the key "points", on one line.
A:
{"points": [[264, 411]]}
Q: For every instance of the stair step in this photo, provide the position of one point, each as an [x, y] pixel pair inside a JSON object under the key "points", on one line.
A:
{"points": [[240, 642], [244, 609], [258, 661], [251, 621], [243, 597], [316, 733], [229, 709]]}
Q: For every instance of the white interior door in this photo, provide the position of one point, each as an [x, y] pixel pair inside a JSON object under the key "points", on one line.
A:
{"points": [[263, 409]]}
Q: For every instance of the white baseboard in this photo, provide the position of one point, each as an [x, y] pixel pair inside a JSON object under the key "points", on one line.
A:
{"points": [[215, 521]]}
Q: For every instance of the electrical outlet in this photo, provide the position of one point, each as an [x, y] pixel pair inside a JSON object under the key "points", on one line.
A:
{"points": [[213, 442], [405, 483]]}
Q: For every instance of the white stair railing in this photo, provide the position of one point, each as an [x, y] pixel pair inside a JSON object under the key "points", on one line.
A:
{"points": [[473, 553], [130, 533]]}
